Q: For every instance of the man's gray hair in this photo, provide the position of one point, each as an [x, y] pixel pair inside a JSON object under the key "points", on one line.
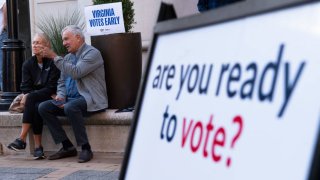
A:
{"points": [[74, 30]]}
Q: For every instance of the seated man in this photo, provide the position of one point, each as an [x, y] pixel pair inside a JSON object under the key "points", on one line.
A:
{"points": [[85, 91]]}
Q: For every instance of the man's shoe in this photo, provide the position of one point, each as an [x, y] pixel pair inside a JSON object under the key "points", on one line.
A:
{"points": [[85, 156], [62, 153], [17, 145], [38, 153]]}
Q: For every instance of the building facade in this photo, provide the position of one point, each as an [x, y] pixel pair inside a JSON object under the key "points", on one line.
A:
{"points": [[146, 12]]}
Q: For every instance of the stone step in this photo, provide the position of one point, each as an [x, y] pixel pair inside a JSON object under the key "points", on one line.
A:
{"points": [[107, 131]]}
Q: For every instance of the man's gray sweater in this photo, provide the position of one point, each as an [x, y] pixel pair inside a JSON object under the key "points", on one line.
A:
{"points": [[89, 74]]}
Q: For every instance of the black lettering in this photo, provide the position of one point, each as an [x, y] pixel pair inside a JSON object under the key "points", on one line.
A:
{"points": [[171, 73], [155, 83], [224, 68], [165, 68], [269, 68], [249, 84], [165, 116], [289, 87], [204, 90], [173, 119], [182, 79], [234, 76], [191, 87]]}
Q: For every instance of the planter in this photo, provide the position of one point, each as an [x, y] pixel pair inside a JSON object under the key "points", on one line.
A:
{"points": [[123, 63]]}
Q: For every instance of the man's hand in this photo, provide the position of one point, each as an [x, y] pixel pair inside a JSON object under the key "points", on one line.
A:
{"points": [[47, 52], [58, 100]]}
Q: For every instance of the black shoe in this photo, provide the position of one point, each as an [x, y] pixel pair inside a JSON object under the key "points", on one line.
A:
{"points": [[62, 153], [38, 153], [17, 145], [85, 156]]}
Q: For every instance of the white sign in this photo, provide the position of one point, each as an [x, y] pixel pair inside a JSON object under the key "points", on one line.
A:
{"points": [[235, 100], [104, 19]]}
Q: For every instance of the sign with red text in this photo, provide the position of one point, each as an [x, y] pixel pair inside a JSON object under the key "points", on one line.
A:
{"points": [[235, 100], [104, 19]]}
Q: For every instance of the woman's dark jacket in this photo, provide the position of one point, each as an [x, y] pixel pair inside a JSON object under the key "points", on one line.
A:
{"points": [[43, 80]]}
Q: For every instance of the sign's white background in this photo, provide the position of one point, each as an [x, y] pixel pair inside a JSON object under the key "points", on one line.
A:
{"points": [[105, 28]]}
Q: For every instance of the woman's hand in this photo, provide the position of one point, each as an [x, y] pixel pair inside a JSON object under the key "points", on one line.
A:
{"points": [[53, 96], [24, 98]]}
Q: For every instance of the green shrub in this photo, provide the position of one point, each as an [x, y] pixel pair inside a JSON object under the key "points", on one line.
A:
{"points": [[128, 11], [52, 26]]}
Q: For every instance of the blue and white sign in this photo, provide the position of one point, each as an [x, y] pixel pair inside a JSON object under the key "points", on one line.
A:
{"points": [[104, 19]]}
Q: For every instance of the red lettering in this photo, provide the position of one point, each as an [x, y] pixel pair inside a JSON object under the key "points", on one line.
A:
{"points": [[215, 142], [195, 148], [209, 128], [185, 134], [218, 142]]}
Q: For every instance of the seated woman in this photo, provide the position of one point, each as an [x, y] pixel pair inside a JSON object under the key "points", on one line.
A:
{"points": [[39, 83]]}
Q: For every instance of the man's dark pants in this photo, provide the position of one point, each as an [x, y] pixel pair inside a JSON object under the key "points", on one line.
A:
{"points": [[75, 110]]}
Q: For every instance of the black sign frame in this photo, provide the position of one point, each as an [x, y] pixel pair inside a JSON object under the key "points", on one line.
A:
{"points": [[232, 12]]}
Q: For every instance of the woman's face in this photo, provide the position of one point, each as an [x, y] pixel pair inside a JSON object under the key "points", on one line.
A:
{"points": [[37, 43]]}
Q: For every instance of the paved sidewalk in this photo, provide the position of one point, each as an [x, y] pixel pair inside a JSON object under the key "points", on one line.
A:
{"points": [[22, 166]]}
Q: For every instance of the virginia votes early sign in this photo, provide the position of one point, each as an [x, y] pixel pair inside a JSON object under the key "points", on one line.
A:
{"points": [[104, 19], [234, 100]]}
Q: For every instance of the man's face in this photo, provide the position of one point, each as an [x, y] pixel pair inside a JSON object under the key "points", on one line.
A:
{"points": [[71, 42]]}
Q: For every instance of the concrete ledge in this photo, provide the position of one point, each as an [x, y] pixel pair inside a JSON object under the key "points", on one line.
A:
{"points": [[107, 131], [108, 117]]}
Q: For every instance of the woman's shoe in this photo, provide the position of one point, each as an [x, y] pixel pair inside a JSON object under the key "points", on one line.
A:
{"points": [[38, 153], [17, 145]]}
